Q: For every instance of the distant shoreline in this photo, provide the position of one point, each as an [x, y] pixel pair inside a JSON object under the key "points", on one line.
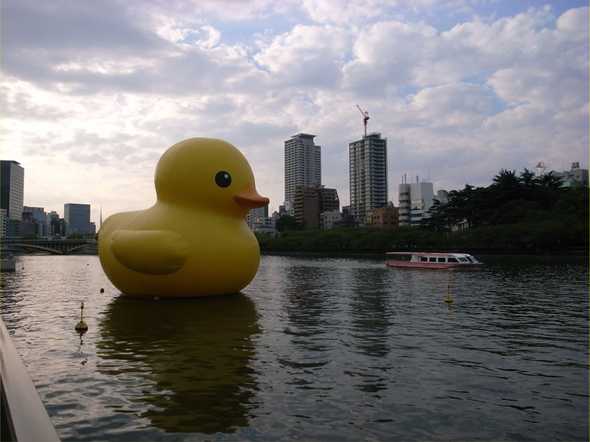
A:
{"points": [[578, 253]]}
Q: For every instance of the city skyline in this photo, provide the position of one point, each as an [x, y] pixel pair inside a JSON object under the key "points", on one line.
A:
{"points": [[459, 89]]}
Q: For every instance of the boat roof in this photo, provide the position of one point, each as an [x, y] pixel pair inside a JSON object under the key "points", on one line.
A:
{"points": [[428, 253]]}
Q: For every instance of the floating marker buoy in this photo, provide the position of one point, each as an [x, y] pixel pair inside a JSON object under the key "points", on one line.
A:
{"points": [[101, 290], [81, 326], [448, 299]]}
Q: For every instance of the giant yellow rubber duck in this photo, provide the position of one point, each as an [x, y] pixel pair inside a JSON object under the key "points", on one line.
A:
{"points": [[194, 241]]}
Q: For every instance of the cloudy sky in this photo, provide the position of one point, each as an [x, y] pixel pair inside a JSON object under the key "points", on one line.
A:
{"points": [[93, 92]]}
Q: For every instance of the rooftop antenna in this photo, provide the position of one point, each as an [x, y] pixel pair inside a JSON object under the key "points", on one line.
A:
{"points": [[365, 117]]}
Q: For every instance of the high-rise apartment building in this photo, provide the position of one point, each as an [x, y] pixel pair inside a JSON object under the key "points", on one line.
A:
{"points": [[77, 218], [303, 165], [12, 184], [368, 175]]}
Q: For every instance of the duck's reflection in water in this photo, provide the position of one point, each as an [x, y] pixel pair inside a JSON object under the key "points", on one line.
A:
{"points": [[196, 353]]}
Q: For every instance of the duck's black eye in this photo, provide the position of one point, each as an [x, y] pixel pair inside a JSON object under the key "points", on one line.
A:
{"points": [[223, 178]]}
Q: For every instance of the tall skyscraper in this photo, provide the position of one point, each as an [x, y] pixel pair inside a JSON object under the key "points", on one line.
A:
{"points": [[77, 218], [303, 165], [12, 184], [368, 175]]}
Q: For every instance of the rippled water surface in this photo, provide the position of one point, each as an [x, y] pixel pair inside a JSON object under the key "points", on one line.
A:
{"points": [[314, 349]]}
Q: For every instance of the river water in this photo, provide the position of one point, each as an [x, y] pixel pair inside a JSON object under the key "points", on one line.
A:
{"points": [[314, 349]]}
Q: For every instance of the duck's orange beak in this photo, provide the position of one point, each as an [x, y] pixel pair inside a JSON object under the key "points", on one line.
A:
{"points": [[250, 199]]}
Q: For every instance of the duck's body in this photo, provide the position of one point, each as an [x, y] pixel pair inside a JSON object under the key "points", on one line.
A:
{"points": [[194, 241]]}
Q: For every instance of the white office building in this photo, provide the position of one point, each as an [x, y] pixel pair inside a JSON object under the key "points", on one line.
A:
{"points": [[368, 175], [415, 200], [303, 165], [576, 176]]}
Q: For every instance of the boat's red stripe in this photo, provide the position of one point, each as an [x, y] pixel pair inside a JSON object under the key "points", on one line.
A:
{"points": [[425, 265]]}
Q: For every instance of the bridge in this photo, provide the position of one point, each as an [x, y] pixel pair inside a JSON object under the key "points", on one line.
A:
{"points": [[53, 246]]}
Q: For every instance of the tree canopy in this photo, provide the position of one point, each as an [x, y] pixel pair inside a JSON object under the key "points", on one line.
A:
{"points": [[511, 198]]}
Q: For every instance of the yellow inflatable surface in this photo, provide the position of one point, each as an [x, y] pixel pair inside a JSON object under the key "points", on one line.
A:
{"points": [[194, 241]]}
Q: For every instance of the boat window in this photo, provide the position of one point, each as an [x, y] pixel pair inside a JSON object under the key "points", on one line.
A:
{"points": [[432, 259], [453, 260], [423, 258], [463, 260], [468, 258], [442, 260]]}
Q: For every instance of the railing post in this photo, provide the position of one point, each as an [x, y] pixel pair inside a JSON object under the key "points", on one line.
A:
{"points": [[22, 409]]}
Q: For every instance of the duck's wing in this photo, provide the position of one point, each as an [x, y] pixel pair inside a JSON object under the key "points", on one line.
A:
{"points": [[157, 252]]}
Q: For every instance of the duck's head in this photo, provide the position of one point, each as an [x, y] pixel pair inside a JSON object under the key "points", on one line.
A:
{"points": [[210, 174]]}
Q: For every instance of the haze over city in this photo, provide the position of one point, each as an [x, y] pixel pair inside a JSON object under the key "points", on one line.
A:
{"points": [[93, 93]]}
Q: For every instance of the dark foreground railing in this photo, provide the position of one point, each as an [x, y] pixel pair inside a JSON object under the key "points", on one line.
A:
{"points": [[24, 417]]}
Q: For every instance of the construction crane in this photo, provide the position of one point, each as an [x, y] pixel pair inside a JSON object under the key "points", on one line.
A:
{"points": [[365, 117]]}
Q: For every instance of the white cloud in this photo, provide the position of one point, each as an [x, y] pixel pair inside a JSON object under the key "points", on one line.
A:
{"points": [[460, 103], [306, 56], [343, 11]]}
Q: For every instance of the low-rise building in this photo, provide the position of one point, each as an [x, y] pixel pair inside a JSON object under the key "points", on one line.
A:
{"points": [[39, 218], [330, 219], [265, 225], [28, 225], [307, 207], [310, 202], [57, 225], [259, 221], [384, 217], [3, 223], [256, 216], [348, 219], [329, 200]]}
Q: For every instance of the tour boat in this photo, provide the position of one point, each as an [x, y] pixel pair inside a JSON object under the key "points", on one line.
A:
{"points": [[431, 260]]}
